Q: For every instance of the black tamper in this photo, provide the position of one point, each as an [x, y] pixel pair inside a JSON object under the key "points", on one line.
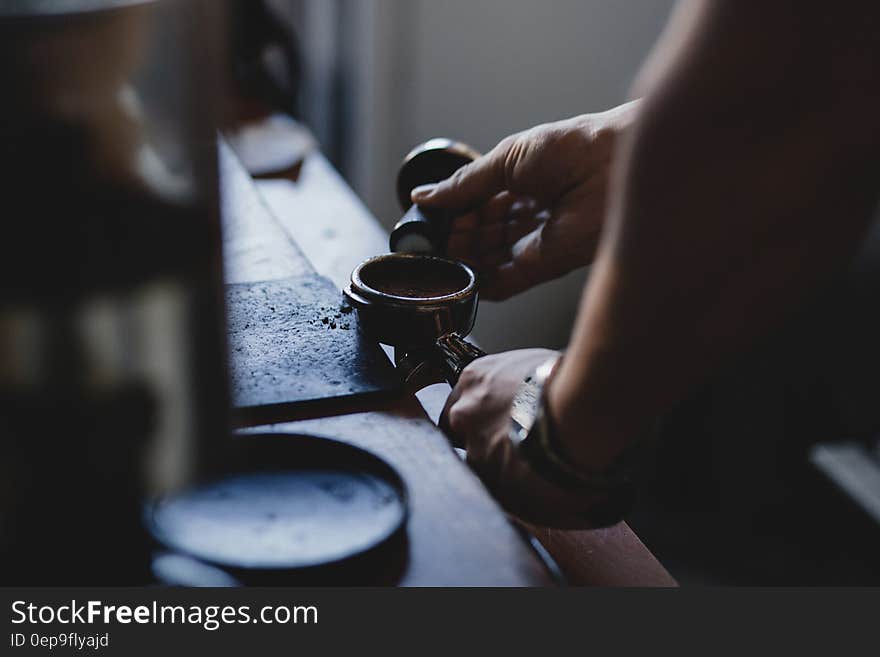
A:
{"points": [[426, 230]]}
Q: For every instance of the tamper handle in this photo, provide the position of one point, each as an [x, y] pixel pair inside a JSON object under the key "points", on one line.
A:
{"points": [[456, 354], [421, 230]]}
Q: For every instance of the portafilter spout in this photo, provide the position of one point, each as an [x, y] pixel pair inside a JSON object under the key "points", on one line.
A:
{"points": [[423, 306]]}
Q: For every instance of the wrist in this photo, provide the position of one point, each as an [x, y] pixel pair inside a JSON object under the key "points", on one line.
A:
{"points": [[620, 118], [610, 490], [591, 441], [608, 127]]}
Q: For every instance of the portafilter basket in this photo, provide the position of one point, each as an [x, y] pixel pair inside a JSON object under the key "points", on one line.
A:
{"points": [[424, 307]]}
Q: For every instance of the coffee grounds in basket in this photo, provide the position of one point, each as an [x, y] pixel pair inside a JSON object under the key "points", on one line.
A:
{"points": [[438, 287], [415, 278]]}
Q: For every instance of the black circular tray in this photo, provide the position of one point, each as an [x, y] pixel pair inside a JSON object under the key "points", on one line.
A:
{"points": [[288, 503]]}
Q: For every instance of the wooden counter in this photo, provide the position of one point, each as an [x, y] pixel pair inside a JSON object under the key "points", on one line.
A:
{"points": [[457, 534]]}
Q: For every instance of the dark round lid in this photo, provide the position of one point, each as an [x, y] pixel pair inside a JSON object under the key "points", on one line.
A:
{"points": [[289, 502], [430, 162]]}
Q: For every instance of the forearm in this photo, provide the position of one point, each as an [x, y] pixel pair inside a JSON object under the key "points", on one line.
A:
{"points": [[729, 204]]}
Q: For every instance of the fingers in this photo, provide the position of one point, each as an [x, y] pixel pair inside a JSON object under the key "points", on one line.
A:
{"points": [[539, 256], [471, 186], [499, 235], [520, 266], [443, 422], [507, 280], [525, 268], [483, 238], [501, 211], [522, 491], [465, 223], [507, 268], [501, 207]]}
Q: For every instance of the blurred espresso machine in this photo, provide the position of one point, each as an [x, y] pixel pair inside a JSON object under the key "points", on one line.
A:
{"points": [[112, 354]]}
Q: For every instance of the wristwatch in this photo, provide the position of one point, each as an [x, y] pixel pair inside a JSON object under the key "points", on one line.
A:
{"points": [[534, 435]]}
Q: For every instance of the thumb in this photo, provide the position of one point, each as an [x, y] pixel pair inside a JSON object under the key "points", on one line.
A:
{"points": [[469, 187]]}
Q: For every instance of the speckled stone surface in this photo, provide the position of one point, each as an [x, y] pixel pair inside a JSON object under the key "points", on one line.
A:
{"points": [[295, 340]]}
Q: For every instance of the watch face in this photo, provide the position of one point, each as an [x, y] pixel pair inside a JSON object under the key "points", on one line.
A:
{"points": [[527, 402], [525, 406]]}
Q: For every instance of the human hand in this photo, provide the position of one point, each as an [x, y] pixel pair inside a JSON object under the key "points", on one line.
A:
{"points": [[477, 415], [536, 201]]}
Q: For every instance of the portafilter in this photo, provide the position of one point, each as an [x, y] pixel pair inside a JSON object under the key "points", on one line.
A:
{"points": [[423, 306]]}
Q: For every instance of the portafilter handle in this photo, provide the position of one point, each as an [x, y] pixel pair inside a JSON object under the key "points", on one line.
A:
{"points": [[442, 361], [457, 353]]}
